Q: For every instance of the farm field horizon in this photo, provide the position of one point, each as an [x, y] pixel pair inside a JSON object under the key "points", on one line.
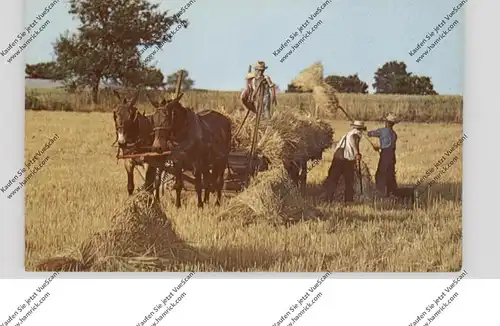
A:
{"points": [[79, 189], [409, 108]]}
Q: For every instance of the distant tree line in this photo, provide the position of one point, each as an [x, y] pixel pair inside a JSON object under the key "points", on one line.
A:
{"points": [[391, 78]]}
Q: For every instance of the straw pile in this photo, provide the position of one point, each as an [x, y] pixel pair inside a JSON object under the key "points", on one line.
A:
{"points": [[272, 197], [311, 79], [288, 135], [141, 237]]}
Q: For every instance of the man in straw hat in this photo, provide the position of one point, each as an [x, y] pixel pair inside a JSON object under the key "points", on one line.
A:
{"points": [[249, 95], [385, 177], [344, 162]]}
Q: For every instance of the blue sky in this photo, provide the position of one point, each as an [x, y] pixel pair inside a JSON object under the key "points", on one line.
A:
{"points": [[356, 36]]}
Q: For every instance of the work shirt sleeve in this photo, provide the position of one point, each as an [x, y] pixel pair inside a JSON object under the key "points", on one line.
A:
{"points": [[374, 133]]}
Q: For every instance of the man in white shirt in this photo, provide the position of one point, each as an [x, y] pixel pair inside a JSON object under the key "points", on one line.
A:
{"points": [[344, 162]]}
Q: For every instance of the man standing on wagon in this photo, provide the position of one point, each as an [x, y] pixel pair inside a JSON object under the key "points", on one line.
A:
{"points": [[385, 177], [249, 95]]}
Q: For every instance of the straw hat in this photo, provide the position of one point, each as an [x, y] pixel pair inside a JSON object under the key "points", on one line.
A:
{"points": [[391, 118], [260, 65], [358, 125]]}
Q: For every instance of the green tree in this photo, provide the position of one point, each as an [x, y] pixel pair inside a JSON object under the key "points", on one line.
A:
{"points": [[146, 77], [392, 78], [420, 85], [349, 84], [44, 70], [187, 83], [106, 45], [153, 78]]}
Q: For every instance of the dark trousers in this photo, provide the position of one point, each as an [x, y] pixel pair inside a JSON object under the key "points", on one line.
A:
{"points": [[385, 177], [338, 168]]}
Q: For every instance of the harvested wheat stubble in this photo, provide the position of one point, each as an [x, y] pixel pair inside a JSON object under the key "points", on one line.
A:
{"points": [[140, 237], [286, 136], [271, 196]]}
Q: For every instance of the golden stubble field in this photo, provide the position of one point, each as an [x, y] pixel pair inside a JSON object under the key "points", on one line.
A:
{"points": [[81, 186]]}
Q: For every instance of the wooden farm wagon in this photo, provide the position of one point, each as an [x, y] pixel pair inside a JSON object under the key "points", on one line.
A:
{"points": [[243, 164]]}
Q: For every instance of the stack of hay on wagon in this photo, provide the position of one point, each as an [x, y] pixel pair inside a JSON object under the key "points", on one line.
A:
{"points": [[289, 135]]}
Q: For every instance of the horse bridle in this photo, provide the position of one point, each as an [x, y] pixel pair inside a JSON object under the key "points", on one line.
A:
{"points": [[161, 126], [122, 126]]}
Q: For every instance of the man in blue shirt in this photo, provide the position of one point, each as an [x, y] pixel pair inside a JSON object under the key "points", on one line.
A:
{"points": [[385, 177]]}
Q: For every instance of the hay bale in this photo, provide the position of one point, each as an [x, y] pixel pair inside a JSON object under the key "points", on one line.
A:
{"points": [[140, 237], [271, 196]]}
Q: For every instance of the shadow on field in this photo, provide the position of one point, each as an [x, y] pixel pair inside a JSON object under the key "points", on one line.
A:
{"points": [[244, 259], [448, 191]]}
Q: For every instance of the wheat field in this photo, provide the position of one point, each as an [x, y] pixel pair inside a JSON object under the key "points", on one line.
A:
{"points": [[82, 185], [412, 108]]}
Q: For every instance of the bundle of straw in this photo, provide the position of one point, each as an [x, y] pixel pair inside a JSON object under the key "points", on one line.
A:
{"points": [[140, 237], [311, 79], [271, 196]]}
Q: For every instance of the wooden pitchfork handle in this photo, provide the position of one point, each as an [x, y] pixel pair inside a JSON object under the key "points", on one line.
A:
{"points": [[360, 176], [351, 119], [248, 110], [242, 123]]}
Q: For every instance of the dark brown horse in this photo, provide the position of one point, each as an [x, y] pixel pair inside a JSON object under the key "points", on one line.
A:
{"points": [[134, 134], [200, 143], [297, 170]]}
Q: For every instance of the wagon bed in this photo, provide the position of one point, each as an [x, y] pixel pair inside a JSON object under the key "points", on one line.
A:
{"points": [[236, 177]]}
